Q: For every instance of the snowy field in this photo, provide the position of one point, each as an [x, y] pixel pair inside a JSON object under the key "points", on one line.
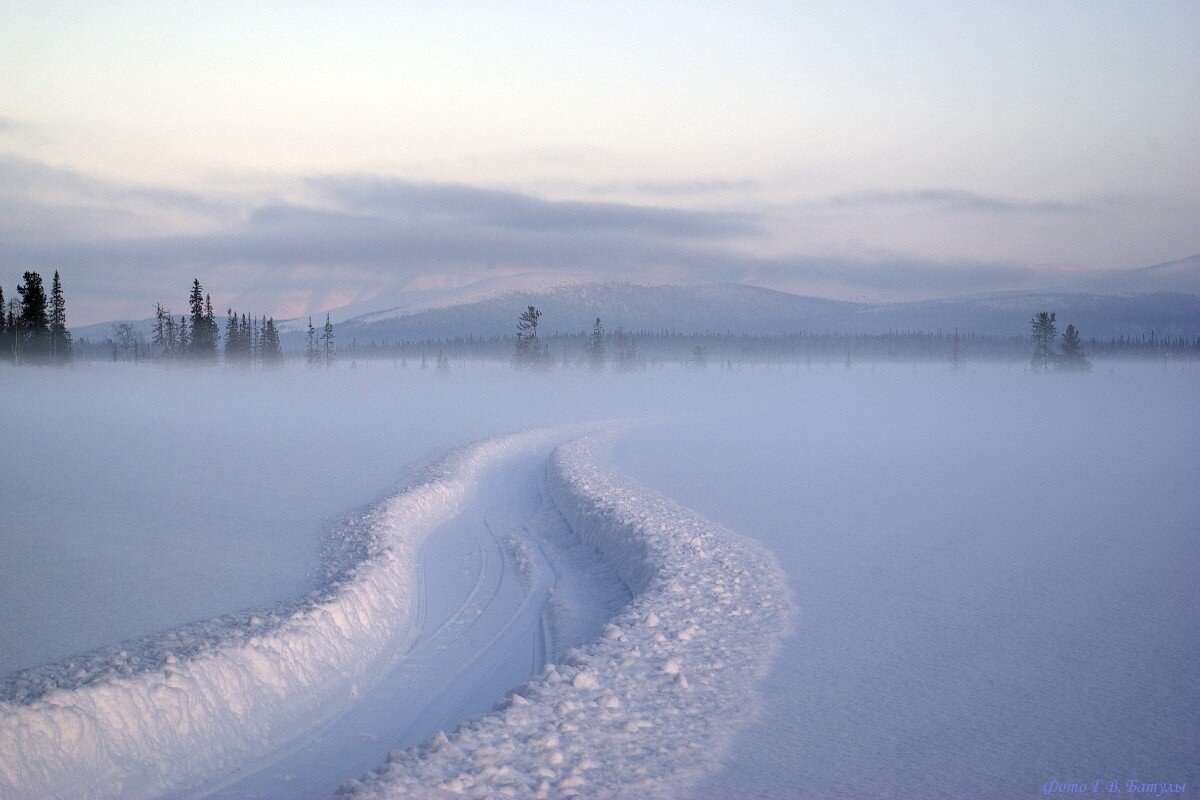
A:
{"points": [[998, 578], [994, 574]]}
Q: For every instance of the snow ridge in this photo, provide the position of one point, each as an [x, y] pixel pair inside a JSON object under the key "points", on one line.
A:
{"points": [[208, 697], [648, 708], [346, 543]]}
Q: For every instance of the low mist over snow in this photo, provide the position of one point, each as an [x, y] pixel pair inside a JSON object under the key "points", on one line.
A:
{"points": [[975, 555]]}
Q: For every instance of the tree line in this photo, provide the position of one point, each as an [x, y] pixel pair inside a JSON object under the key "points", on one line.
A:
{"points": [[33, 330], [529, 352], [196, 338], [649, 348], [33, 327]]}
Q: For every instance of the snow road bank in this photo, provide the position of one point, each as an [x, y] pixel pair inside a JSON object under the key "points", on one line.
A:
{"points": [[647, 708], [206, 698], [500, 590]]}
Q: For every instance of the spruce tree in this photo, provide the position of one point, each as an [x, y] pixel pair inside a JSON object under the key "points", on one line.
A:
{"points": [[327, 343], [212, 332], [272, 353], [184, 349], [160, 329], [1071, 355], [231, 336], [5, 333], [60, 337], [1044, 330], [312, 355], [244, 349], [196, 341], [255, 342], [33, 324], [205, 334], [596, 354], [14, 338], [169, 337], [528, 350]]}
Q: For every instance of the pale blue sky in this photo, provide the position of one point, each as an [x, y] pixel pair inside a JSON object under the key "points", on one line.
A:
{"points": [[951, 136]]}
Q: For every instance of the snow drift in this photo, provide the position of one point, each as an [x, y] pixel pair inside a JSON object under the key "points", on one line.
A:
{"points": [[650, 706], [166, 712]]}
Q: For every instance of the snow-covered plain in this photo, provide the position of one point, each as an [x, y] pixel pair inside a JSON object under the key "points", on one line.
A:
{"points": [[940, 532], [998, 578]]}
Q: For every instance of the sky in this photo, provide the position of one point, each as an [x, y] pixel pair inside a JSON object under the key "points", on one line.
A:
{"points": [[300, 156]]}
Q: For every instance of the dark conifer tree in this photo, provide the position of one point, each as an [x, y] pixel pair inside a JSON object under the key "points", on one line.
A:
{"points": [[5, 333], [14, 337], [327, 343], [169, 340], [159, 340], [33, 324], [196, 339], [272, 353], [528, 350], [596, 354], [244, 339], [184, 349], [212, 333], [60, 337], [1044, 330], [255, 342], [1072, 357], [312, 356], [231, 337]]}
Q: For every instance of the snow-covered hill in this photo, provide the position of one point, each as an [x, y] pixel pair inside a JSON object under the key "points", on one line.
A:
{"points": [[714, 308], [491, 309], [737, 308]]}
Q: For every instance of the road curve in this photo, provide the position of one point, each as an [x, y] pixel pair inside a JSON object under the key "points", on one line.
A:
{"points": [[480, 628]]}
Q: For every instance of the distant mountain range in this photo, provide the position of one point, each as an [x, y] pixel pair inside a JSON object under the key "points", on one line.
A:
{"points": [[736, 308], [491, 308]]}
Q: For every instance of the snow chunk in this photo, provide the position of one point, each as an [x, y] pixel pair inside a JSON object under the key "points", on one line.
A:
{"points": [[585, 680]]}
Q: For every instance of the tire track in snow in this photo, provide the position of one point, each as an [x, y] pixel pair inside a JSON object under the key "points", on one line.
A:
{"points": [[650, 706], [170, 723], [456, 670]]}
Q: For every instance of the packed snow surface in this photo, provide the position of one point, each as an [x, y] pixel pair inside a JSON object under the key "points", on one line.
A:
{"points": [[502, 589], [667, 679], [645, 709], [996, 576], [146, 498], [995, 570], [192, 702]]}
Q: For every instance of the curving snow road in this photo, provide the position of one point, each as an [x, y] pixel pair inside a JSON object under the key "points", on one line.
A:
{"points": [[481, 626], [602, 624]]}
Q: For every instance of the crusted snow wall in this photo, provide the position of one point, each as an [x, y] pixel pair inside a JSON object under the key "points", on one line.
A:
{"points": [[649, 707], [169, 711]]}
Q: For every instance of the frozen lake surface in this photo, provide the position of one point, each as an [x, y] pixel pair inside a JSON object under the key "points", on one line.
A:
{"points": [[997, 577], [995, 571]]}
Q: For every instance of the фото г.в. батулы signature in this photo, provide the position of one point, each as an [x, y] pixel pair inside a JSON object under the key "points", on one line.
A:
{"points": [[1113, 787]]}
